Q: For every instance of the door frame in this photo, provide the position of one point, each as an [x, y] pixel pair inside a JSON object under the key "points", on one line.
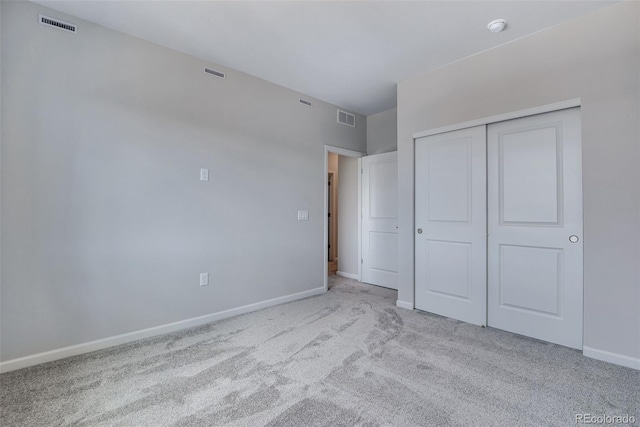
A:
{"points": [[325, 211]]}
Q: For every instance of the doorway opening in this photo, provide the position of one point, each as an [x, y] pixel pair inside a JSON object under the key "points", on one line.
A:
{"points": [[332, 214], [341, 251]]}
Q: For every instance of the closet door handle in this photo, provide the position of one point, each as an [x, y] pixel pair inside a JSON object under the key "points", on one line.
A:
{"points": [[419, 230]]}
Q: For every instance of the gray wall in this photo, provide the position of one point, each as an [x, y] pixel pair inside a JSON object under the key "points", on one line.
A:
{"points": [[595, 58], [382, 132], [105, 224], [348, 215]]}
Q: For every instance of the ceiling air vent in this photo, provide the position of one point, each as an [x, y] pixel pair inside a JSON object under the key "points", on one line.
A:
{"points": [[216, 73], [346, 118], [305, 102], [56, 23]]}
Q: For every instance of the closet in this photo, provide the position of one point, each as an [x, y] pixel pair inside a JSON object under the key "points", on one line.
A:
{"points": [[498, 218]]}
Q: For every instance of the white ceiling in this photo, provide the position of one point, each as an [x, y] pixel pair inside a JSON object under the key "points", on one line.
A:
{"points": [[347, 53]]}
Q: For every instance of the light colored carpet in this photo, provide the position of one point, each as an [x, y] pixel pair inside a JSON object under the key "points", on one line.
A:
{"points": [[349, 357]]}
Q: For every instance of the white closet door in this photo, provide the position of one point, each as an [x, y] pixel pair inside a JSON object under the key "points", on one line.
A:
{"points": [[380, 220], [451, 234], [535, 227]]}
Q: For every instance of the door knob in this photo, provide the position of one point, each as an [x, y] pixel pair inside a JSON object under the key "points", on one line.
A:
{"points": [[573, 238], [419, 230]]}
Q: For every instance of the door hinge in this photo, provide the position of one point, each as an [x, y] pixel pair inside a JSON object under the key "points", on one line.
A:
{"points": [[361, 170], [361, 261]]}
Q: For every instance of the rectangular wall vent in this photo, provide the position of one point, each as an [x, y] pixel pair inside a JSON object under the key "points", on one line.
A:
{"points": [[346, 118], [56, 23], [305, 102], [216, 73]]}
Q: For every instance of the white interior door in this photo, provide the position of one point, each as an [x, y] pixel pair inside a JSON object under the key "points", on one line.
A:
{"points": [[535, 227], [450, 218], [380, 220]]}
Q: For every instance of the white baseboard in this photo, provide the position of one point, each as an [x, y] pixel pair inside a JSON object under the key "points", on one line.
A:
{"points": [[404, 304], [74, 350], [347, 275], [607, 356]]}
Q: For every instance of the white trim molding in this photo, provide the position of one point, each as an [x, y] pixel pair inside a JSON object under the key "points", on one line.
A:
{"points": [[607, 356], [360, 219], [75, 350], [342, 151], [576, 102], [347, 275], [404, 304]]}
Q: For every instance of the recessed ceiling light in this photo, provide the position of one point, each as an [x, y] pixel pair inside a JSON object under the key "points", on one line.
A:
{"points": [[497, 25]]}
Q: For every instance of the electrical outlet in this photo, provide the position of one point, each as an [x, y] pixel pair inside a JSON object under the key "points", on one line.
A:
{"points": [[204, 279], [204, 174], [303, 215]]}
